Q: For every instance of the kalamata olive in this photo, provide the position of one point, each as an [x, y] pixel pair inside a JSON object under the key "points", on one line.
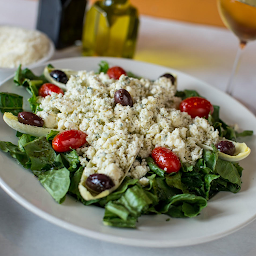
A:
{"points": [[59, 76], [123, 97], [99, 182], [169, 76], [30, 118], [226, 147]]}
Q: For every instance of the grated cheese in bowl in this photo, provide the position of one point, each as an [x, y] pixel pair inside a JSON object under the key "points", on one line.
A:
{"points": [[23, 46]]}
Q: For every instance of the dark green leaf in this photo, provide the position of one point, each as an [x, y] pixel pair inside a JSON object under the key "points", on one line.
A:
{"points": [[228, 171], [175, 181], [210, 158], [244, 133], [130, 74], [187, 93], [51, 135], [10, 102], [21, 76], [56, 182], [153, 167], [40, 153], [70, 160], [184, 205], [103, 67], [24, 139], [111, 219], [15, 152], [75, 180]]}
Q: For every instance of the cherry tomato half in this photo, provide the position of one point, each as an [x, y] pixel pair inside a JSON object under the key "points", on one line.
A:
{"points": [[196, 106], [115, 72], [166, 159], [67, 140], [48, 89]]}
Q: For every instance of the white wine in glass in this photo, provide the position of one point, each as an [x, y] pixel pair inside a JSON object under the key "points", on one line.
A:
{"points": [[240, 17]]}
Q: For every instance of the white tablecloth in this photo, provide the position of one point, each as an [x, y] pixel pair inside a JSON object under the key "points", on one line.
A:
{"points": [[201, 51]]}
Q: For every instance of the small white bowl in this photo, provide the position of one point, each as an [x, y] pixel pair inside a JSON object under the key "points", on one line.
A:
{"points": [[6, 72]]}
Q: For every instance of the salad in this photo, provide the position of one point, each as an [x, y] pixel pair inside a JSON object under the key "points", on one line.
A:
{"points": [[121, 142]]}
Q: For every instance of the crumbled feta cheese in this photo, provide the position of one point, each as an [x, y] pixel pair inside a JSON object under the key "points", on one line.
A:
{"points": [[118, 134]]}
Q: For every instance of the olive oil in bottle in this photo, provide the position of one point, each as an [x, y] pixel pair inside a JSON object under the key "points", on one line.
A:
{"points": [[111, 29]]}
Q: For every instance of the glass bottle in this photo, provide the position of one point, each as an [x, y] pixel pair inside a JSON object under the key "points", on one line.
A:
{"points": [[61, 20], [111, 29]]}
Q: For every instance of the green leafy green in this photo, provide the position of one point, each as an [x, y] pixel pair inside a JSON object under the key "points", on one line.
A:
{"points": [[187, 93], [22, 76], [244, 133], [15, 152], [10, 102], [40, 153], [56, 182], [184, 205], [153, 167], [103, 67], [71, 160]]}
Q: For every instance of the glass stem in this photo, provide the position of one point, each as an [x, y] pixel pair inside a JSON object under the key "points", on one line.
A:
{"points": [[230, 86]]}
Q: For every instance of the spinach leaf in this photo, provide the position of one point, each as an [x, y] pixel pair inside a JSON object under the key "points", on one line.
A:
{"points": [[50, 136], [175, 181], [125, 211], [74, 182], [184, 205], [208, 178], [153, 167], [244, 133], [187, 93], [16, 153], [130, 74], [112, 219], [33, 88], [25, 139], [56, 182], [128, 182], [103, 67], [23, 75], [40, 152], [228, 171], [10, 102], [70, 160]]}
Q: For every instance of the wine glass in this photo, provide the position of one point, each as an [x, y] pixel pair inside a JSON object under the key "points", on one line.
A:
{"points": [[240, 17]]}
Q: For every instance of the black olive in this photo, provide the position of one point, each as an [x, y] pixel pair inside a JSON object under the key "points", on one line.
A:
{"points": [[59, 76], [226, 147], [123, 97], [30, 118], [99, 182], [169, 76]]}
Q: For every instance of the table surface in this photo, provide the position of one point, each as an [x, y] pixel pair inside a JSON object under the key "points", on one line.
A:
{"points": [[204, 52]]}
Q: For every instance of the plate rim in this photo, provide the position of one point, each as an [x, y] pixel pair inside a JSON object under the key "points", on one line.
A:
{"points": [[109, 237]]}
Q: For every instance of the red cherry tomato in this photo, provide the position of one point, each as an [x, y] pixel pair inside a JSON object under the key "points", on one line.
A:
{"points": [[48, 89], [196, 106], [115, 72], [166, 159], [67, 140]]}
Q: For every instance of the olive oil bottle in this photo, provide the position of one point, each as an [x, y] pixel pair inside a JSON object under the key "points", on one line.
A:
{"points": [[111, 29]]}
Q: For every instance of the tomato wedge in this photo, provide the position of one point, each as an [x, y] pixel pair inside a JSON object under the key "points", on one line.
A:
{"points": [[48, 89], [166, 159], [115, 72], [68, 140], [196, 106]]}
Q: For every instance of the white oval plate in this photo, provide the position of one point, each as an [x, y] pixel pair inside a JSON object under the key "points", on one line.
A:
{"points": [[225, 213]]}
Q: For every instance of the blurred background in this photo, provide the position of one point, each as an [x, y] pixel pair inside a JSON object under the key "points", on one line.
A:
{"points": [[195, 11]]}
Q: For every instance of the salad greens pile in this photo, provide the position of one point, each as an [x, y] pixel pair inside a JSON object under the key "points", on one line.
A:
{"points": [[179, 195]]}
